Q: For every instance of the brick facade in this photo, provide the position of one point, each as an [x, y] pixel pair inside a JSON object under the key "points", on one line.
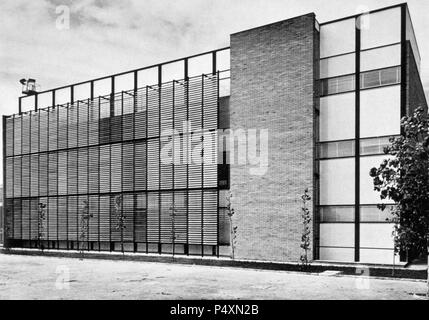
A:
{"points": [[273, 87]]}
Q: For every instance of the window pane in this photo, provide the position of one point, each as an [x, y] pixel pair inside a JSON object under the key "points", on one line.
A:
{"points": [[337, 149], [373, 214], [336, 214]]}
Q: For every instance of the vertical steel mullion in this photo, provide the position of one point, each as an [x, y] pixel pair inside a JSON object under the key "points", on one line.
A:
{"points": [[5, 201], [214, 63], [22, 142], [98, 179], [159, 157], [12, 232], [173, 184], [202, 164], [87, 149], [122, 167], [133, 144], [357, 140], [186, 140], [38, 177], [30, 162], [217, 164], [20, 105], [36, 102], [146, 168]]}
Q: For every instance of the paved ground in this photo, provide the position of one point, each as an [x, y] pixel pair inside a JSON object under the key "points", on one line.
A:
{"points": [[30, 277]]}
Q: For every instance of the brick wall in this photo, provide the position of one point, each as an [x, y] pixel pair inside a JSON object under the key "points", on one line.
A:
{"points": [[273, 87], [415, 92]]}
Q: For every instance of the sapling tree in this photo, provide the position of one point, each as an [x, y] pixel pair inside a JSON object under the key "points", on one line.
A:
{"points": [[41, 217], [404, 178], [306, 230], [120, 219], [173, 214], [233, 229]]}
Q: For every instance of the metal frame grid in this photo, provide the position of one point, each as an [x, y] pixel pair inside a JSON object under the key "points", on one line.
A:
{"points": [[67, 139]]}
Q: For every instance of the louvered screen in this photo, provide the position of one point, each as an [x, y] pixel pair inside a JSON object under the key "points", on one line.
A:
{"points": [[62, 218], [25, 191], [17, 222], [153, 164], [63, 128], [17, 177], [181, 160], [180, 105], [72, 126], [62, 172], [167, 212], [94, 170], [153, 217], [115, 212], [116, 129], [34, 136], [94, 219], [210, 163], [180, 219], [25, 219], [128, 127], [34, 187], [83, 112], [53, 129], [52, 173], [128, 167], [52, 219], [9, 137], [34, 219], [43, 133], [72, 218], [43, 174], [104, 218], [140, 170], [140, 222], [140, 115], [104, 126], [83, 171], [153, 112], [17, 136], [83, 222], [195, 168], [210, 218], [133, 149], [105, 169], [195, 217], [93, 126], [116, 167], [26, 134], [43, 218], [166, 166], [72, 175], [128, 210], [9, 177]]}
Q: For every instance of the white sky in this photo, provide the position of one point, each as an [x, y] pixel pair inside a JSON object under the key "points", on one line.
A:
{"points": [[108, 36]]}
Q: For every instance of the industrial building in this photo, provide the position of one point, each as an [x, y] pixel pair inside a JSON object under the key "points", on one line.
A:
{"points": [[142, 158]]}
